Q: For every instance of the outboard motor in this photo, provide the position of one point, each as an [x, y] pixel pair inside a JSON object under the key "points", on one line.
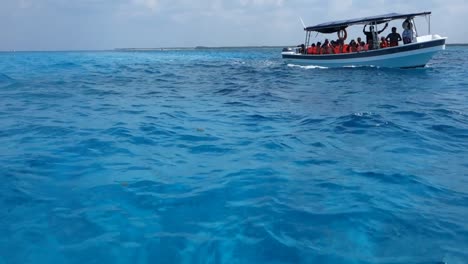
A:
{"points": [[287, 49]]}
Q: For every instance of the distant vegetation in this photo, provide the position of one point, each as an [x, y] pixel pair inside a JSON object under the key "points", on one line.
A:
{"points": [[227, 47]]}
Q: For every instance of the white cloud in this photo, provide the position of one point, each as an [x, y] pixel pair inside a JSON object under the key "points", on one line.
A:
{"points": [[152, 23], [150, 4]]}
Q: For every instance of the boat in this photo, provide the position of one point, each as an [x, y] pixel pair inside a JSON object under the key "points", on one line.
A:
{"points": [[412, 55]]}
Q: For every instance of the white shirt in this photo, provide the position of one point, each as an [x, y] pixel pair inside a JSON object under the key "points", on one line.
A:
{"points": [[408, 34]]}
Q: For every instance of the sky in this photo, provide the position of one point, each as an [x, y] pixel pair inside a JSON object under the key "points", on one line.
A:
{"points": [[109, 24]]}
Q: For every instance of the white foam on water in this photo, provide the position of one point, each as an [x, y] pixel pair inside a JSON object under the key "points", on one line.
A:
{"points": [[307, 67]]}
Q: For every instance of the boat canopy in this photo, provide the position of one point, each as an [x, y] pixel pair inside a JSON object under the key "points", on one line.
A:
{"points": [[336, 26]]}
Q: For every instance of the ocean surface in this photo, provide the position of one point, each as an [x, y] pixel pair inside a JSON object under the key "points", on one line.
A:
{"points": [[231, 156]]}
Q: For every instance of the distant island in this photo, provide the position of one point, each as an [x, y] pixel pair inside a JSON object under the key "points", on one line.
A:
{"points": [[228, 47], [458, 44], [200, 48]]}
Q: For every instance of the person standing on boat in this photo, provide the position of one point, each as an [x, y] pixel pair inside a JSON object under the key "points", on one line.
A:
{"points": [[393, 38], [408, 33], [372, 36]]}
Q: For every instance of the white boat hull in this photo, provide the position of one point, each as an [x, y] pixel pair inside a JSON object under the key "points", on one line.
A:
{"points": [[408, 56]]}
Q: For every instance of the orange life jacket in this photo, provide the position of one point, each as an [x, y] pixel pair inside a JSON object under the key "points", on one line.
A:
{"points": [[345, 48], [310, 50], [383, 44], [337, 49]]}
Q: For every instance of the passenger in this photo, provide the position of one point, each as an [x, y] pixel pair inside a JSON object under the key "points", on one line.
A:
{"points": [[360, 47], [344, 47], [326, 48], [372, 36], [318, 48], [336, 47], [332, 46], [363, 47], [383, 43], [352, 46], [339, 44], [408, 33], [311, 49], [393, 38], [301, 48]]}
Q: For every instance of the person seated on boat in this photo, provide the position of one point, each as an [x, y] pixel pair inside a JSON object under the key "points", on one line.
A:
{"points": [[408, 33], [335, 47], [360, 46], [383, 43], [393, 38], [352, 46], [326, 47], [311, 49], [372, 36], [363, 47], [344, 47], [332, 46], [301, 48], [314, 48], [318, 48]]}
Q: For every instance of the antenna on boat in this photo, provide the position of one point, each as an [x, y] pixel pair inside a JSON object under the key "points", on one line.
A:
{"points": [[302, 21]]}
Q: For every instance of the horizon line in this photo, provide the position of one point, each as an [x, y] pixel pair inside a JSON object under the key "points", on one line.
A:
{"points": [[174, 48]]}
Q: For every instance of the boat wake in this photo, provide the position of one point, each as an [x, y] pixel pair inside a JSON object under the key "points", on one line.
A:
{"points": [[307, 66]]}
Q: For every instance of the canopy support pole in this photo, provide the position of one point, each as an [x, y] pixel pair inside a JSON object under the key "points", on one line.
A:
{"points": [[376, 42], [415, 28], [429, 29], [307, 40]]}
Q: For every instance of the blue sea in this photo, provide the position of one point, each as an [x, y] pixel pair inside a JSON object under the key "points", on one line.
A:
{"points": [[231, 156]]}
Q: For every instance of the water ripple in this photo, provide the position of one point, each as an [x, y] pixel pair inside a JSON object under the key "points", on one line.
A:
{"points": [[230, 156]]}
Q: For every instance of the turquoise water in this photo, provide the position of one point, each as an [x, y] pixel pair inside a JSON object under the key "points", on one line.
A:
{"points": [[231, 156]]}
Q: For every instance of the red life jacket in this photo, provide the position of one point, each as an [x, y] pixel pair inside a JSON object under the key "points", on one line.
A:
{"points": [[345, 48], [337, 49]]}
